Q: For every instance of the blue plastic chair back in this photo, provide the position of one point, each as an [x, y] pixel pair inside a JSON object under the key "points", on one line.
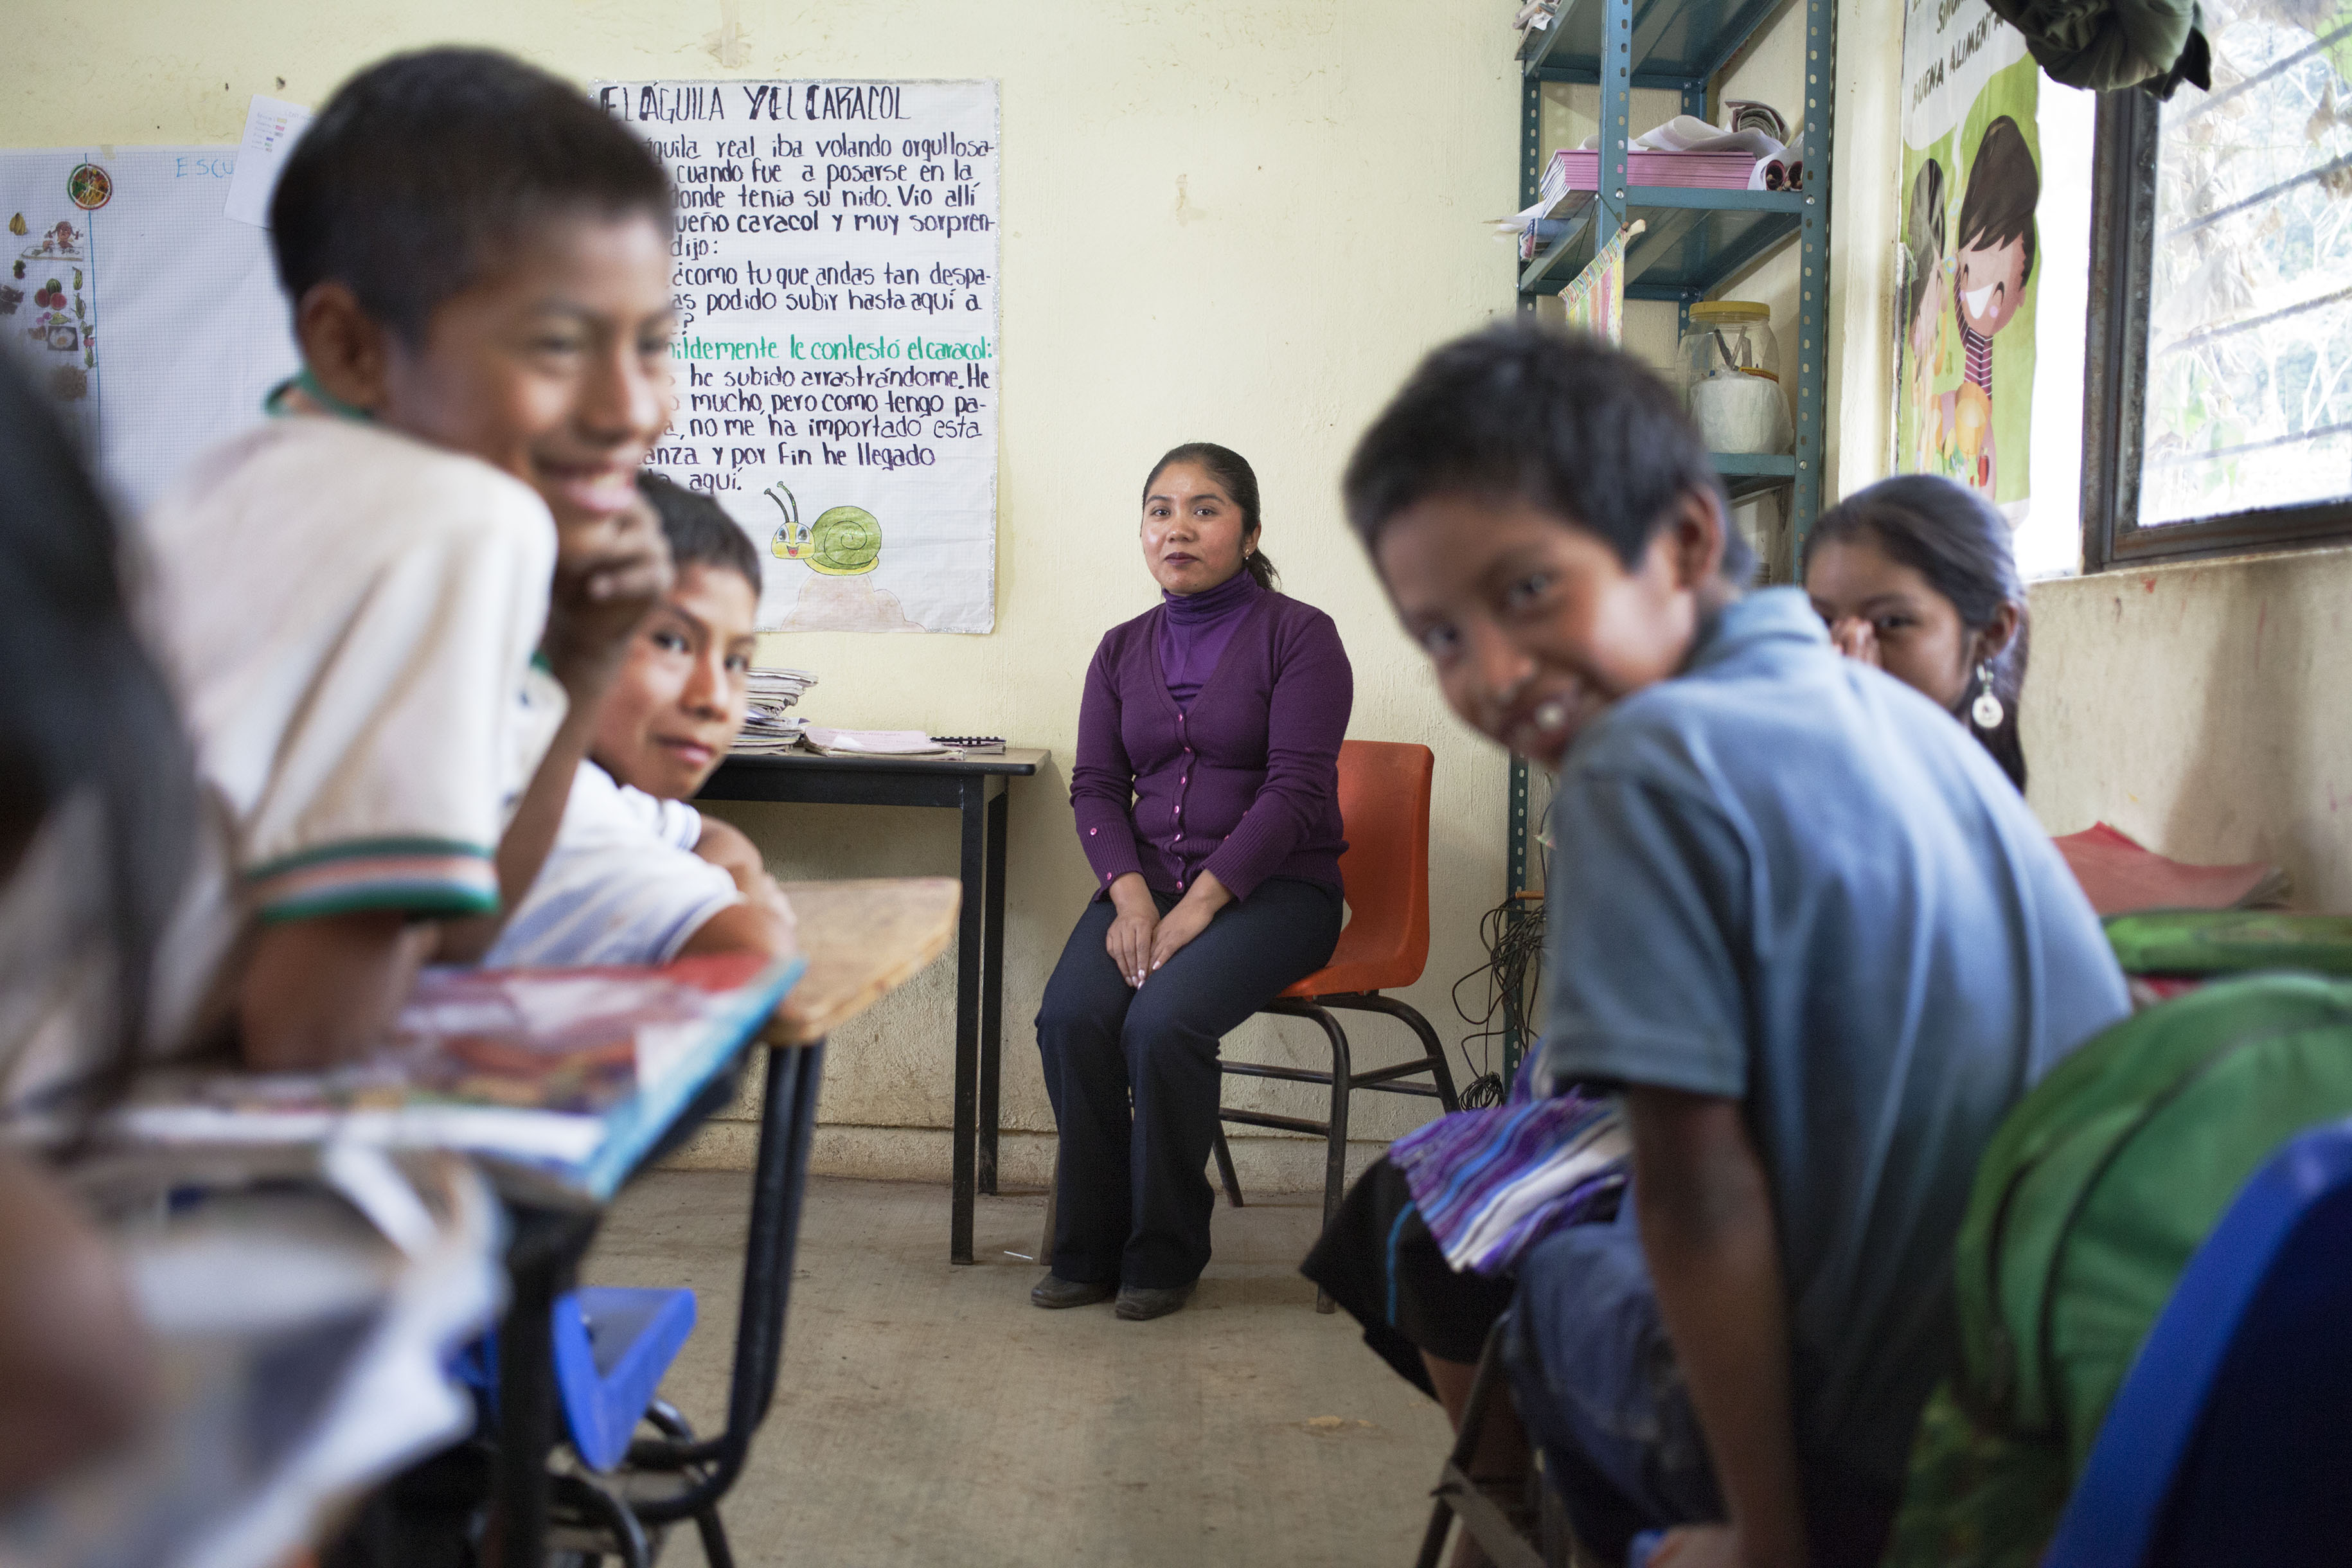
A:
{"points": [[612, 1346], [2230, 1440]]}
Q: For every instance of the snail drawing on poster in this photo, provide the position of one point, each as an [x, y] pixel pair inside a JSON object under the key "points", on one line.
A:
{"points": [[844, 541]]}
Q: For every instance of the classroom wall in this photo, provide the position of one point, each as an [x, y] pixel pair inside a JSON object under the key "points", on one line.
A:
{"points": [[2201, 708], [1235, 221]]}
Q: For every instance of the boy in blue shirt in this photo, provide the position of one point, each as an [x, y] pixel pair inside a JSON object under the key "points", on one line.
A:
{"points": [[393, 611], [1796, 912]]}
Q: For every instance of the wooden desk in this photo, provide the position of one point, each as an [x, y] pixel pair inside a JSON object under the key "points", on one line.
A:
{"points": [[863, 939], [975, 787]]}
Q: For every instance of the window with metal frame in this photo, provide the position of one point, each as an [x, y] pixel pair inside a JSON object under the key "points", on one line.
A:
{"points": [[2218, 383]]}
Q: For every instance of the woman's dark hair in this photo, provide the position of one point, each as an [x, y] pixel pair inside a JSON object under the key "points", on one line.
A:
{"points": [[83, 709], [421, 169], [1232, 470], [1952, 537], [698, 529], [1572, 428], [2003, 187]]}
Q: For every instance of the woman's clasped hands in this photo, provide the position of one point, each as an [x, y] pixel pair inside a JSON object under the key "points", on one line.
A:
{"points": [[1141, 939]]}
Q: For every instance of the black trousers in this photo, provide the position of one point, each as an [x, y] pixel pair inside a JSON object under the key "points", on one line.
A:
{"points": [[1133, 1076]]}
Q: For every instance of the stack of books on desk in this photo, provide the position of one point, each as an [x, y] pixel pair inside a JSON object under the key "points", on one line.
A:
{"points": [[770, 727]]}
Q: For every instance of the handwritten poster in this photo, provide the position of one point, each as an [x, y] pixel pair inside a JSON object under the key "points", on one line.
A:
{"points": [[836, 277], [1972, 183], [153, 319]]}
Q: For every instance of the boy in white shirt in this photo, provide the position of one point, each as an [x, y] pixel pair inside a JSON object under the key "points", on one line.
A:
{"points": [[637, 876], [390, 613]]}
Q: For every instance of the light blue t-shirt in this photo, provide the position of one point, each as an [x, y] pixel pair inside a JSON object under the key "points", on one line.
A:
{"points": [[1787, 878]]}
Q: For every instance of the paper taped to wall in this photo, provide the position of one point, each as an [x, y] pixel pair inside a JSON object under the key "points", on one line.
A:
{"points": [[836, 285], [135, 241], [272, 126]]}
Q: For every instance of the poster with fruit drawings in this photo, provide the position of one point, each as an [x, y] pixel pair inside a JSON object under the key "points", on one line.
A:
{"points": [[154, 321], [835, 275]]}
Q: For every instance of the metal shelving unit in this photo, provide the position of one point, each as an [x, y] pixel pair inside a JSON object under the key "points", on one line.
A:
{"points": [[1696, 242]]}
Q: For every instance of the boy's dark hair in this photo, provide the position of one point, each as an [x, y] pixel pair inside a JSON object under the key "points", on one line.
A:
{"points": [[422, 168], [2003, 187], [699, 532], [1923, 234], [1560, 421], [1230, 470], [1952, 537], [84, 712]]}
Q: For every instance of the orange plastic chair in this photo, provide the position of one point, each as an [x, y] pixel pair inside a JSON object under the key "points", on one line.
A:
{"points": [[1384, 811]]}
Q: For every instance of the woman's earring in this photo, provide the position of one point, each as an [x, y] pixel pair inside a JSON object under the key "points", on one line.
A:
{"points": [[1986, 710]]}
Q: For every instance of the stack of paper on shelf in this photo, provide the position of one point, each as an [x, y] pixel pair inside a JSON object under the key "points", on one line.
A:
{"points": [[1685, 151], [769, 726], [559, 1079], [2119, 876]]}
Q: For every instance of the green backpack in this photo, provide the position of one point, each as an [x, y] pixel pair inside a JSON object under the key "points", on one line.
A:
{"points": [[2088, 1204]]}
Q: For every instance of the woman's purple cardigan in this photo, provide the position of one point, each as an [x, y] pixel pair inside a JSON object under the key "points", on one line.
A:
{"points": [[1245, 785]]}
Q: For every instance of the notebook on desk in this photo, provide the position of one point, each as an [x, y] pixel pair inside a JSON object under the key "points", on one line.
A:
{"points": [[559, 1079]]}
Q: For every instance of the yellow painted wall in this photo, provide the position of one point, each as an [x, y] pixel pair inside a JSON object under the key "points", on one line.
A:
{"points": [[2200, 708], [1233, 221]]}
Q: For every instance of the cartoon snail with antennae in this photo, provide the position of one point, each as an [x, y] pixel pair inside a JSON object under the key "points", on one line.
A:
{"points": [[844, 541]]}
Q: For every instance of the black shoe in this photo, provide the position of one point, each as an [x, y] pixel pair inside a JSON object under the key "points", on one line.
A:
{"points": [[1055, 1291], [1138, 1304]]}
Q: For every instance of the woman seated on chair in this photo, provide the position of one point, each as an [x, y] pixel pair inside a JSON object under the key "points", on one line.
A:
{"points": [[1206, 792], [1916, 575]]}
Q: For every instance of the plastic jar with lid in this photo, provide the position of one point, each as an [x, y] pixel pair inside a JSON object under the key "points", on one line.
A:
{"points": [[1731, 378]]}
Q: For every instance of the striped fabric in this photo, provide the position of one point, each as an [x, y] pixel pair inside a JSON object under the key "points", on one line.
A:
{"points": [[420, 875], [1491, 1184]]}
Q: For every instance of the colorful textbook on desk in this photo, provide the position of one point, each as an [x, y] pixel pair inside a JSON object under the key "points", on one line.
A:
{"points": [[559, 1078]]}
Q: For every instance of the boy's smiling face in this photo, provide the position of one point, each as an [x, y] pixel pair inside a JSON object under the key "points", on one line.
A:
{"points": [[1991, 285], [679, 700], [1534, 625], [553, 365]]}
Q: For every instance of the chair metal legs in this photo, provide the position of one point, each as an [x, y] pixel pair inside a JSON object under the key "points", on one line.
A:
{"points": [[1458, 1495], [1343, 1080], [1226, 1169]]}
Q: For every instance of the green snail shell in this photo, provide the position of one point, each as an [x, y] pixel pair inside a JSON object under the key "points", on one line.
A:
{"points": [[844, 542]]}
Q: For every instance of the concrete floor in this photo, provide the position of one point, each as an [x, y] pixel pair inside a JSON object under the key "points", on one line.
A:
{"points": [[928, 1414]]}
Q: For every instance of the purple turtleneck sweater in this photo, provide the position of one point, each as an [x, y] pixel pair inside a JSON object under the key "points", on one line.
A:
{"points": [[1243, 781], [1194, 629]]}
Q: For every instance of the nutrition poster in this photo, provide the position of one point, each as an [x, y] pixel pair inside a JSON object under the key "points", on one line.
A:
{"points": [[836, 273], [153, 320], [1972, 182]]}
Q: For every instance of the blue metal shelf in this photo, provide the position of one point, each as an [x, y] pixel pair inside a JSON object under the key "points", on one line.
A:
{"points": [[1748, 473], [1675, 42], [1698, 241], [1695, 241]]}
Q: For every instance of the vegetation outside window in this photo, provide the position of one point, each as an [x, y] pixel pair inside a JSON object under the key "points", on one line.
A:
{"points": [[2218, 386]]}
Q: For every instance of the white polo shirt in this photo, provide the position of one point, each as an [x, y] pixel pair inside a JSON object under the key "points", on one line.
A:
{"points": [[349, 617], [621, 884]]}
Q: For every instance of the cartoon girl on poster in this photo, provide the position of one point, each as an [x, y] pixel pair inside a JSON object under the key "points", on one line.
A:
{"points": [[1992, 263]]}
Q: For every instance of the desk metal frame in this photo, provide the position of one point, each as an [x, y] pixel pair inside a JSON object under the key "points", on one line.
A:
{"points": [[546, 1251], [974, 786]]}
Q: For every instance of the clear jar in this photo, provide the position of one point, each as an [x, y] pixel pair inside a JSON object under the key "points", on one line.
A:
{"points": [[1731, 378]]}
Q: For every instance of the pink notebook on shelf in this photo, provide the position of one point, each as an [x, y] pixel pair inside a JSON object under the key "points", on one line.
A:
{"points": [[1704, 170]]}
